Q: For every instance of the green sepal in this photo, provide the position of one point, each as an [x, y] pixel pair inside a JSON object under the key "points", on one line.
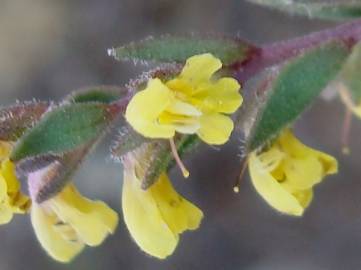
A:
{"points": [[295, 87], [16, 119], [58, 171], [128, 140], [63, 129], [178, 49]]}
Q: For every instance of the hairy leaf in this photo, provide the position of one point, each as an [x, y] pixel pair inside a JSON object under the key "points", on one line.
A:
{"points": [[178, 49], [63, 129], [298, 83], [16, 119], [102, 94]]}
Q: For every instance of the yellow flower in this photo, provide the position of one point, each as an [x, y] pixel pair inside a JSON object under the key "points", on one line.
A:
{"points": [[67, 222], [155, 217], [12, 201], [285, 173], [191, 103]]}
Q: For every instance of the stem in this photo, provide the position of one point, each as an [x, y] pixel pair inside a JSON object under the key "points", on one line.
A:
{"points": [[118, 107], [275, 53]]}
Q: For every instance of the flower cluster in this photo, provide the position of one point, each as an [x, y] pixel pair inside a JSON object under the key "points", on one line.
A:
{"points": [[197, 101], [65, 223], [193, 102]]}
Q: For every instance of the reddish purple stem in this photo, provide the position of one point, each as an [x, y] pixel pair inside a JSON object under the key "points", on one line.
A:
{"points": [[275, 53]]}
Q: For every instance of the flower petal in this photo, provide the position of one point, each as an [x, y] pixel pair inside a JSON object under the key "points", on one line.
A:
{"points": [[271, 190], [144, 220], [3, 188], [5, 149], [222, 96], [92, 220], [298, 150], [20, 204], [179, 214], [303, 173], [330, 164], [181, 123], [6, 213], [51, 240], [215, 128], [146, 106], [183, 108], [356, 109], [200, 68], [304, 197], [8, 172], [10, 192], [271, 159]]}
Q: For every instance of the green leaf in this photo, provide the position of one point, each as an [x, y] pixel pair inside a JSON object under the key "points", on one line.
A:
{"points": [[326, 9], [178, 49], [16, 119], [350, 73], [102, 94], [63, 129], [299, 82], [255, 92]]}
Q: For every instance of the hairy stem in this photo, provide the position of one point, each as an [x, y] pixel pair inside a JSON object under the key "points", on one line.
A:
{"points": [[275, 53]]}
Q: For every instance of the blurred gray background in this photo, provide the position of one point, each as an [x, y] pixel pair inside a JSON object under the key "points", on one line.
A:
{"points": [[50, 48]]}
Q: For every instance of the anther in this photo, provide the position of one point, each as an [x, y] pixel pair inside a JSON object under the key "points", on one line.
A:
{"points": [[241, 175]]}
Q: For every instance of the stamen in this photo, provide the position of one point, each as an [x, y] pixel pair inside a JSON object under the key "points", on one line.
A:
{"points": [[345, 132], [346, 128], [239, 179], [345, 96], [179, 162]]}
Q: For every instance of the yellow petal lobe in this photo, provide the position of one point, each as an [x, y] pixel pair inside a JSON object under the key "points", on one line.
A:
{"points": [[46, 227], [145, 108], [155, 217], [200, 68], [67, 222], [12, 201], [215, 128], [285, 173], [92, 220], [271, 190], [222, 96]]}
